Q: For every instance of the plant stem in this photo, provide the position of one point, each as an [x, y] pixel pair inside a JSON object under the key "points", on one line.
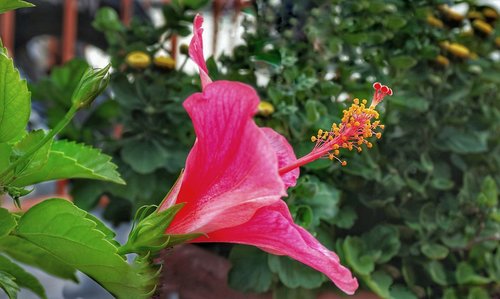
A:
{"points": [[66, 119]]}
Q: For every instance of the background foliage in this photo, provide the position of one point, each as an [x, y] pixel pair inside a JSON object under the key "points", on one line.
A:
{"points": [[414, 217], [417, 215]]}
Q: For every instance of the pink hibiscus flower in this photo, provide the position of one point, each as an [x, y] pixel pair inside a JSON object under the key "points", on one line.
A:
{"points": [[237, 173]]}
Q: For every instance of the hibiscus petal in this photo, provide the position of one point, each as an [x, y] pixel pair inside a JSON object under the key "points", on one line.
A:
{"points": [[232, 169], [285, 155], [272, 229], [171, 196], [196, 50]]}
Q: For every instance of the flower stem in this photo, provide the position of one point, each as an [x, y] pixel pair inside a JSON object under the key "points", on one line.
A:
{"points": [[63, 123]]}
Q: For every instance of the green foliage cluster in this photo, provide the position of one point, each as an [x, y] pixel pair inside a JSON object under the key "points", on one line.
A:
{"points": [[55, 235], [417, 216], [414, 217], [154, 131]]}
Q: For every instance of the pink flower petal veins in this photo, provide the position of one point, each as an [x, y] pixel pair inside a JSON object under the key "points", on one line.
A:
{"points": [[196, 50], [285, 155], [272, 229], [231, 170]]}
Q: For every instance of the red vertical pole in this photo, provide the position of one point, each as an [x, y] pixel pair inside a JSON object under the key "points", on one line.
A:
{"points": [[173, 45], [7, 21], [70, 20], [126, 11], [217, 7]]}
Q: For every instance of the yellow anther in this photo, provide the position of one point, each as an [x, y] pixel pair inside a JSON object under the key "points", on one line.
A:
{"points": [[356, 101], [336, 152], [335, 146], [325, 135], [349, 125], [357, 124], [320, 132], [379, 135], [344, 145], [382, 126], [344, 138], [359, 149], [369, 144], [330, 156], [364, 103], [330, 138], [314, 139], [344, 163]]}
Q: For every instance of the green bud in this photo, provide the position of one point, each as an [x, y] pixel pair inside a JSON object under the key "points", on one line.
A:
{"points": [[184, 49], [148, 233], [92, 83]]}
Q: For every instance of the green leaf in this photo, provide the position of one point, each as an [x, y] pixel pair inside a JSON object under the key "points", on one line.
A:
{"points": [[61, 230], [133, 154], [107, 19], [23, 278], [5, 152], [434, 251], [15, 101], [379, 282], [8, 284], [346, 217], [437, 273], [462, 142], [382, 243], [6, 5], [489, 194], [72, 160], [418, 104], [354, 249], [61, 84], [250, 271], [394, 22], [7, 222], [400, 292], [403, 62], [478, 293], [465, 274], [36, 160], [294, 274], [30, 254]]}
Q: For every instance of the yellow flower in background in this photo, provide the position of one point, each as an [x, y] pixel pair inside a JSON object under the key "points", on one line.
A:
{"points": [[482, 27], [265, 108], [138, 59], [164, 62], [443, 61], [435, 22], [459, 50]]}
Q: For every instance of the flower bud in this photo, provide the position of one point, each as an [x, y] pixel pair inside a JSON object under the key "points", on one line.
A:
{"points": [[265, 108], [184, 49], [459, 50], [92, 83], [164, 62], [138, 60]]}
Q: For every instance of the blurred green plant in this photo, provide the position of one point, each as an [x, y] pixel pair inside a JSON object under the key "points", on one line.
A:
{"points": [[143, 124], [417, 216]]}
